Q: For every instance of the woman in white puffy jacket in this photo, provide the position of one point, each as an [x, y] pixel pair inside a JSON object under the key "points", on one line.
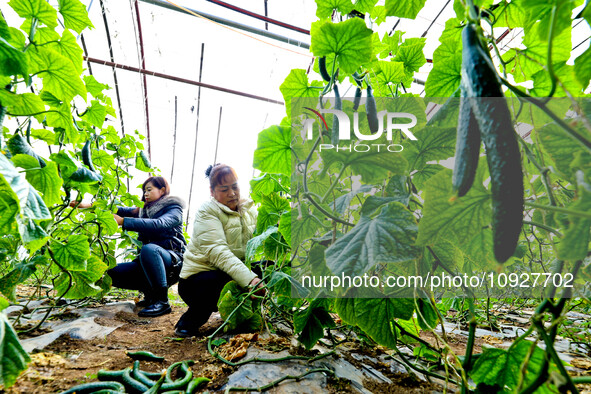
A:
{"points": [[215, 254]]}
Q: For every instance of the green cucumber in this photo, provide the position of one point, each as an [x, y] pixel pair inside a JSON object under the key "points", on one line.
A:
{"points": [[195, 383], [502, 149], [179, 383], [156, 387], [357, 98], [371, 111], [133, 385], [144, 356], [322, 69], [467, 149], [95, 386], [338, 105], [87, 156], [138, 375], [19, 145], [104, 375]]}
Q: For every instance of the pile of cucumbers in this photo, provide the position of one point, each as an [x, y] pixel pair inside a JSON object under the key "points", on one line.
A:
{"points": [[484, 116], [134, 380]]}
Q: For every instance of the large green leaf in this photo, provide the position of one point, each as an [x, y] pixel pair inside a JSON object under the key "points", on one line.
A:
{"points": [[94, 87], [105, 219], [373, 166], [364, 6], [14, 358], [75, 15], [465, 216], [311, 322], [524, 63], [503, 367], [303, 225], [568, 154], [19, 273], [511, 15], [247, 316], [96, 113], [83, 282], [583, 68], [21, 104], [270, 211], [574, 245], [256, 243], [9, 207], [285, 226], [444, 78], [375, 317], [404, 8], [411, 54], [31, 203], [33, 235], [73, 253], [102, 159], [391, 72], [325, 8], [69, 48], [58, 73], [296, 86], [350, 41], [39, 9], [46, 180], [273, 153], [433, 143], [387, 236], [12, 61]]}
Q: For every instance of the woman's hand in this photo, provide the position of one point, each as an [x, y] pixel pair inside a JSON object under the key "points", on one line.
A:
{"points": [[118, 219], [82, 205], [256, 282]]}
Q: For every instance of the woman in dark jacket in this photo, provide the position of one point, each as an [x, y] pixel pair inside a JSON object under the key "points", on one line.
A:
{"points": [[159, 225]]}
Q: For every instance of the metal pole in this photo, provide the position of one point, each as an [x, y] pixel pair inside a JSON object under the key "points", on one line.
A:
{"points": [[174, 137], [230, 23], [217, 142], [183, 80], [143, 65], [196, 134]]}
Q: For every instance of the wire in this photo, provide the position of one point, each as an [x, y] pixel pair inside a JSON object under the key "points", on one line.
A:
{"points": [[234, 30]]}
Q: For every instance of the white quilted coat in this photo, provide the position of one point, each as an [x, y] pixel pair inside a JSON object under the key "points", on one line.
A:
{"points": [[219, 240]]}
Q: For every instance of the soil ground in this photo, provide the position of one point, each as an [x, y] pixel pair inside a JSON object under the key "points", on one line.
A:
{"points": [[68, 362]]}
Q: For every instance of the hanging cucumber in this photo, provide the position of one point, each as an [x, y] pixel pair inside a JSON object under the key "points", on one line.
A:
{"points": [[371, 111], [357, 99], [18, 145], [467, 148], [322, 68], [338, 105], [87, 156], [502, 149]]}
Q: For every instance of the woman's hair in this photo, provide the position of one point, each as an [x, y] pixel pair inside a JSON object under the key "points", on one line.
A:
{"points": [[158, 182], [217, 172]]}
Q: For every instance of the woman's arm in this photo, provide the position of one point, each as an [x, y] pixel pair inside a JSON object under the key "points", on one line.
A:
{"points": [[171, 218]]}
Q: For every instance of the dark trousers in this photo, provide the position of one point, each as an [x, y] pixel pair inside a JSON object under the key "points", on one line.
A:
{"points": [[148, 272], [201, 293]]}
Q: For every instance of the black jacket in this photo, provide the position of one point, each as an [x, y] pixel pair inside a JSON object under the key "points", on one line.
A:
{"points": [[161, 223]]}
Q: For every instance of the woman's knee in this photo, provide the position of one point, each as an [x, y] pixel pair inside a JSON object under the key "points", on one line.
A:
{"points": [[149, 250]]}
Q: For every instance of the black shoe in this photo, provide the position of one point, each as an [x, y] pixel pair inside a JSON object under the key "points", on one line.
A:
{"points": [[158, 308], [185, 332], [145, 302]]}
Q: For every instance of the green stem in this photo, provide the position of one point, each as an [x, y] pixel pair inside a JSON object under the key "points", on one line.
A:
{"points": [[582, 380], [551, 72], [566, 211], [471, 333], [570, 131], [543, 171], [332, 186], [552, 353], [547, 228]]}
